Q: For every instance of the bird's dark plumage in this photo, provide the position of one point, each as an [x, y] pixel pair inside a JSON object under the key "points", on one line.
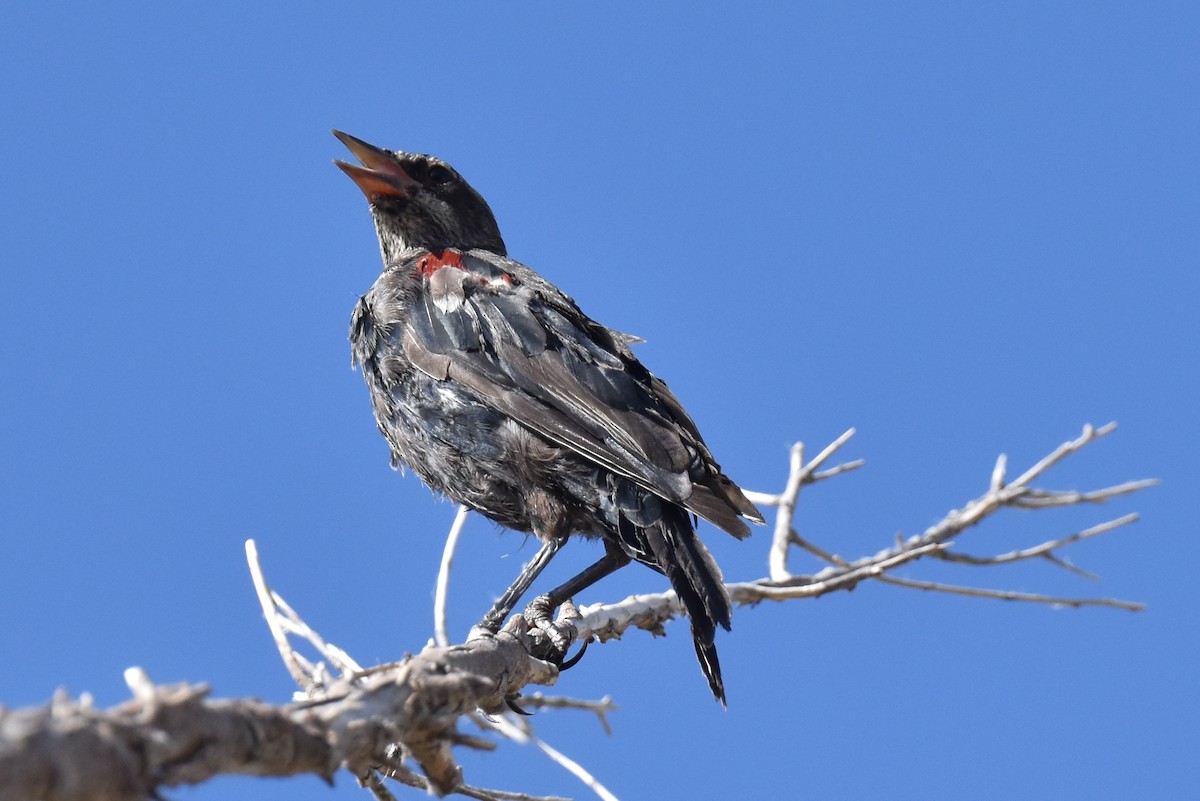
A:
{"points": [[493, 387]]}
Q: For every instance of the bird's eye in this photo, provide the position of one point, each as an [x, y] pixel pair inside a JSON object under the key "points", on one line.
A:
{"points": [[439, 174]]}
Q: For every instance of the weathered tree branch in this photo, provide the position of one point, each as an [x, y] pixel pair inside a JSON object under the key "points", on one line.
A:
{"points": [[174, 734], [373, 722]]}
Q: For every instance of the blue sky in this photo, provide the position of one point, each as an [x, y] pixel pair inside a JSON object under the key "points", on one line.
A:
{"points": [[962, 230]]}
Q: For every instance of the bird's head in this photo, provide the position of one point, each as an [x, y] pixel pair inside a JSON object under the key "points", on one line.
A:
{"points": [[419, 201]]}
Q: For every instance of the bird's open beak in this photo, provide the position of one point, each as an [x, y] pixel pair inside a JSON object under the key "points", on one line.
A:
{"points": [[380, 175]]}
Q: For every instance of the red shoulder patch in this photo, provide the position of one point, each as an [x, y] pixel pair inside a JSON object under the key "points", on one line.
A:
{"points": [[433, 261]]}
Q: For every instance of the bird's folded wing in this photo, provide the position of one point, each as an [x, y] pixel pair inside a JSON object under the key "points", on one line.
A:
{"points": [[529, 360]]}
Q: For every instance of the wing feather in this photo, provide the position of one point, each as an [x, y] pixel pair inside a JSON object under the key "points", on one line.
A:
{"points": [[525, 349]]}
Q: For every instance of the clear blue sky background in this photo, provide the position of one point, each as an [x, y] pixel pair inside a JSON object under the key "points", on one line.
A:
{"points": [[963, 231]]}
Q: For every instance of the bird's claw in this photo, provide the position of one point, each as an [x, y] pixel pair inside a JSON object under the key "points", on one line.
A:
{"points": [[537, 617], [511, 703], [567, 664]]}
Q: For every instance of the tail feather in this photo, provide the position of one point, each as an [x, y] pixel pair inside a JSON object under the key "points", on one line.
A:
{"points": [[696, 579]]}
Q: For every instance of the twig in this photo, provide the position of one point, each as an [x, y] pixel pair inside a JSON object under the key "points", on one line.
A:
{"points": [[443, 579], [777, 556], [283, 620], [519, 731], [1068, 566], [302, 673], [650, 612], [1010, 595], [816, 551], [799, 474], [601, 708], [1040, 499], [503, 795], [809, 473], [373, 781], [1042, 550], [1000, 494], [1089, 435], [368, 720]]}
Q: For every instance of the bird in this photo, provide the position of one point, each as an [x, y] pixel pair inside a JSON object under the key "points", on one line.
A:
{"points": [[493, 386]]}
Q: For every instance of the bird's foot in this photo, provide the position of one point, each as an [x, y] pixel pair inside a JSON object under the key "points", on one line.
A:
{"points": [[539, 616], [559, 634]]}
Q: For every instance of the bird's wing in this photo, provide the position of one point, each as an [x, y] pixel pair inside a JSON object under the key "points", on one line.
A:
{"points": [[525, 349]]}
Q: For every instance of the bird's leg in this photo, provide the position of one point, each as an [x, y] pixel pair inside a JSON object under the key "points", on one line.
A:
{"points": [[494, 619], [540, 609], [613, 560]]}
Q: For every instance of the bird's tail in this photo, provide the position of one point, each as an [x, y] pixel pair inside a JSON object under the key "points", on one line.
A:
{"points": [[696, 579]]}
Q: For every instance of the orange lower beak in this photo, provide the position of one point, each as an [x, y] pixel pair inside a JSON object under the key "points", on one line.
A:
{"points": [[380, 175]]}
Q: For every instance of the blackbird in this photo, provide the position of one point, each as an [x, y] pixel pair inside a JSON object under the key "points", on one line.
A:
{"points": [[491, 385]]}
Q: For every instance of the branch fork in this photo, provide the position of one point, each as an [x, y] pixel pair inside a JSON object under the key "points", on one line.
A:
{"points": [[375, 721]]}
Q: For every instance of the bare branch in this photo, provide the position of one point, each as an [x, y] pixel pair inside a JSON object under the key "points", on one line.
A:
{"points": [[602, 707], [373, 781], [301, 671], [1040, 499], [845, 467], [650, 612], [799, 474], [1089, 435], [809, 474], [820, 553], [1068, 566], [1010, 595], [830, 449], [1000, 494], [174, 735], [373, 720], [164, 737], [504, 795], [998, 473], [441, 637], [520, 731], [1038, 550], [777, 557], [282, 620]]}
